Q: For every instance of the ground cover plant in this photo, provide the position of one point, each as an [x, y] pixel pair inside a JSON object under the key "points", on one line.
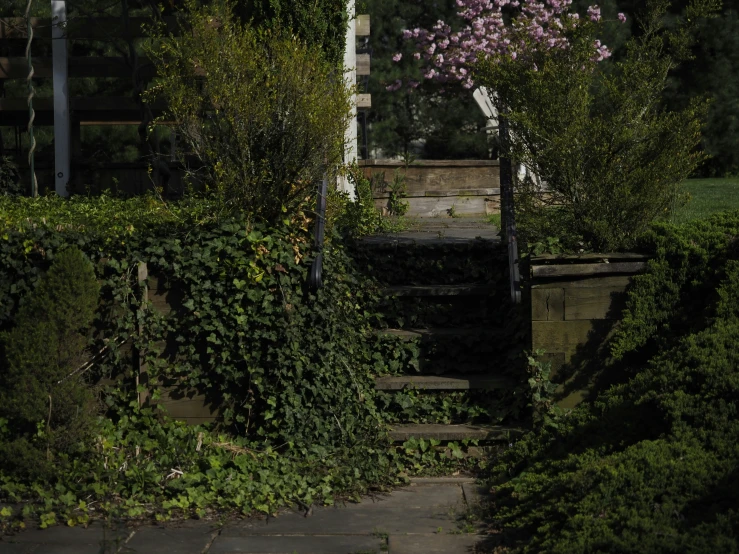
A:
{"points": [[649, 465], [246, 333], [291, 370]]}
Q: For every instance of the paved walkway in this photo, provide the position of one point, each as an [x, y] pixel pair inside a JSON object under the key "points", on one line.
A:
{"points": [[427, 517]]}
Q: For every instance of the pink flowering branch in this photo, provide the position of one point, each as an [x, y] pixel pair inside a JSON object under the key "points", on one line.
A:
{"points": [[449, 56]]}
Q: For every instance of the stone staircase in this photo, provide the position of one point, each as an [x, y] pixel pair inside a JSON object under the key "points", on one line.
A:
{"points": [[446, 334]]}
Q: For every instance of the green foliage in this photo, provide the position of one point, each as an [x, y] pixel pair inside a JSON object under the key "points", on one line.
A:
{"points": [[713, 72], [650, 464], [359, 217], [424, 121], [290, 370], [9, 177], [320, 24], [541, 391], [263, 114], [45, 404], [613, 165]]}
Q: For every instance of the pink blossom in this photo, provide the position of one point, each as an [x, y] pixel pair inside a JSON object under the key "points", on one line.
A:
{"points": [[534, 25], [395, 86], [397, 57], [621, 17]]}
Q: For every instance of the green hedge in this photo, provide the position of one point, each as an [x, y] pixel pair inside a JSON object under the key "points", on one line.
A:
{"points": [[322, 23], [651, 464], [290, 368]]}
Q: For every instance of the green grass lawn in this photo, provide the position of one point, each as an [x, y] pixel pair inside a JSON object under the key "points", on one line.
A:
{"points": [[708, 196]]}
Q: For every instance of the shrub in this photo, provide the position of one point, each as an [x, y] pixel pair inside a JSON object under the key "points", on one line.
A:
{"points": [[651, 464], [320, 23], [10, 182], [262, 114], [47, 407], [359, 217], [596, 133], [290, 369]]}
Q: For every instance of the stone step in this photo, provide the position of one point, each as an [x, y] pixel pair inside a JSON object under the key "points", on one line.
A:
{"points": [[440, 290], [428, 333], [403, 432], [441, 382]]}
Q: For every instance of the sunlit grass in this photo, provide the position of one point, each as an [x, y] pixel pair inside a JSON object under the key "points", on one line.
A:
{"points": [[708, 196]]}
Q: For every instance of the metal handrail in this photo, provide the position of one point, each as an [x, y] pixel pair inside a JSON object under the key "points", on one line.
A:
{"points": [[315, 277], [508, 212]]}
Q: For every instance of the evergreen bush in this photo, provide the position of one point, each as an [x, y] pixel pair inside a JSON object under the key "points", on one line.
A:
{"points": [[47, 407], [651, 464]]}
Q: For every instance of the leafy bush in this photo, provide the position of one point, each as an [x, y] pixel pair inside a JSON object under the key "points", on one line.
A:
{"points": [[45, 405], [359, 217], [9, 177], [320, 23], [651, 464], [290, 369], [262, 114], [596, 134]]}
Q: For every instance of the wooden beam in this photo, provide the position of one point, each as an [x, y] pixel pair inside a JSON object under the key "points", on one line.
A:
{"points": [[363, 25], [584, 270], [363, 64], [78, 66], [364, 101], [82, 28], [114, 110]]}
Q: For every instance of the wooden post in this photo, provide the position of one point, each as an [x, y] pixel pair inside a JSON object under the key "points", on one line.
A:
{"points": [[350, 69], [61, 98], [142, 377]]}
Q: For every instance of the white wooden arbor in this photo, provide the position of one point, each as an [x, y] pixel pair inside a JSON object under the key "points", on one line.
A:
{"points": [[354, 65]]}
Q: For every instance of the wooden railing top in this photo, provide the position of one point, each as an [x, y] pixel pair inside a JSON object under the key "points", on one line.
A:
{"points": [[78, 66], [429, 163]]}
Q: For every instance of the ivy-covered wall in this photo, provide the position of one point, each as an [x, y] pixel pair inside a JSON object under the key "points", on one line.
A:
{"points": [[290, 368]]}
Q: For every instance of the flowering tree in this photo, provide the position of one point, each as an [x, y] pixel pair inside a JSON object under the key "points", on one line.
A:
{"points": [[611, 155], [450, 56]]}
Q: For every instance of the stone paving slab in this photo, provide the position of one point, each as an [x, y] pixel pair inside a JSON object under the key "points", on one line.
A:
{"points": [[438, 543], [415, 509], [315, 544], [96, 539], [415, 519], [190, 537], [475, 493]]}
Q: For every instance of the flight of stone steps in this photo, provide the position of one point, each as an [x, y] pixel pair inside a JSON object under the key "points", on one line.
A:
{"points": [[446, 332]]}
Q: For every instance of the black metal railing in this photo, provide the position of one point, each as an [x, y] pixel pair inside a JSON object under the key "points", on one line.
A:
{"points": [[315, 277], [508, 212]]}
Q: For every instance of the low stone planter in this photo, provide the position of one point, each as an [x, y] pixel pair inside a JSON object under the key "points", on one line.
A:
{"points": [[440, 188], [576, 303]]}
